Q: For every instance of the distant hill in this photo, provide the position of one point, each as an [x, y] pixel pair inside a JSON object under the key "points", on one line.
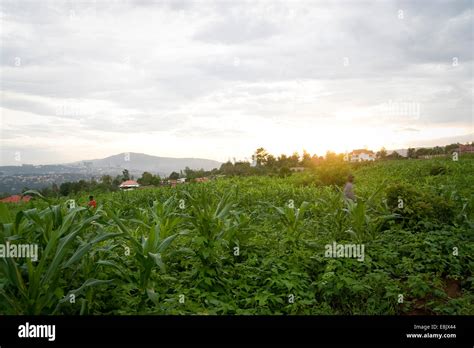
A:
{"points": [[401, 152], [136, 163], [140, 162]]}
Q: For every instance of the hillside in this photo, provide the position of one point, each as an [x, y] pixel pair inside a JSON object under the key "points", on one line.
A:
{"points": [[140, 162]]}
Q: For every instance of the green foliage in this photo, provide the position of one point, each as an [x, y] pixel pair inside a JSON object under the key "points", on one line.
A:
{"points": [[37, 287], [284, 172], [252, 244], [415, 206], [438, 170], [335, 173]]}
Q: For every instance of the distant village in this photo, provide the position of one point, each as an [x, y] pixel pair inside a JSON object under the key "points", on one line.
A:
{"points": [[262, 163]]}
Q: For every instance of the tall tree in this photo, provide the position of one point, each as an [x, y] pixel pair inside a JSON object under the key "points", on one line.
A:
{"points": [[146, 179], [294, 159], [306, 159], [125, 175], [106, 180], [174, 176], [271, 161], [283, 161], [227, 168], [382, 154], [261, 156]]}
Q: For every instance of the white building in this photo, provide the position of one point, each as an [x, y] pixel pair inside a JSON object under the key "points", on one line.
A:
{"points": [[362, 155], [129, 185]]}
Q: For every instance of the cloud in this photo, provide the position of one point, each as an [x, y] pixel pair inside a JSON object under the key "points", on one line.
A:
{"points": [[118, 71]]}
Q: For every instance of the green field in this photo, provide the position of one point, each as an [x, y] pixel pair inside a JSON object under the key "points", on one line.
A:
{"points": [[253, 245]]}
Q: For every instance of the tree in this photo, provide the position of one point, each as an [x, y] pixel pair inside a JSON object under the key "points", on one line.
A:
{"points": [[227, 168], [306, 159], [174, 176], [315, 160], [394, 155], [117, 180], [261, 156], [283, 161], [449, 148], [437, 150], [423, 151], [65, 188], [334, 157], [126, 175], [242, 168], [146, 179], [294, 159], [411, 153], [193, 174], [271, 161], [188, 172], [156, 180], [106, 180], [382, 154], [285, 171]]}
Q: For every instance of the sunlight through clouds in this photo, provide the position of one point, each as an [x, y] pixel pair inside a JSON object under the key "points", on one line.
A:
{"points": [[217, 79]]}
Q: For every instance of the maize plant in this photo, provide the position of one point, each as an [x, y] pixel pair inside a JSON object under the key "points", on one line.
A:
{"points": [[229, 246], [157, 237], [292, 219], [210, 223], [38, 287]]}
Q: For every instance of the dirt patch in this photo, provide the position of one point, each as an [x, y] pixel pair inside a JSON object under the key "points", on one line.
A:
{"points": [[452, 288], [419, 308]]}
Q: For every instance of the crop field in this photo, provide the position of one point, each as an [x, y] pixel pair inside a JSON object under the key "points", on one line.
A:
{"points": [[253, 245]]}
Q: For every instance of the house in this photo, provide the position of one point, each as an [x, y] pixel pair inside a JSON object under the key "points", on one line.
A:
{"points": [[16, 199], [361, 155], [129, 185], [181, 180], [464, 149]]}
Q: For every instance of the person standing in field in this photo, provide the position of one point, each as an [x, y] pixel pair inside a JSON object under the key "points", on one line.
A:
{"points": [[92, 203], [348, 188]]}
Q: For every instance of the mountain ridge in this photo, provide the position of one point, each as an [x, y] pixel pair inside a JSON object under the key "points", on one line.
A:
{"points": [[139, 162], [135, 162]]}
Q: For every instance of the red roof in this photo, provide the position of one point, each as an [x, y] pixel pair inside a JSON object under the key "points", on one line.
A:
{"points": [[465, 148], [129, 183], [16, 199]]}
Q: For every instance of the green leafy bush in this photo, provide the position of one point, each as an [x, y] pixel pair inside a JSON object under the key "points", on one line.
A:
{"points": [[415, 206], [333, 173], [438, 170]]}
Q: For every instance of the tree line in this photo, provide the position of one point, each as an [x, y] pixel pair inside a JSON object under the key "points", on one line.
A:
{"points": [[263, 163]]}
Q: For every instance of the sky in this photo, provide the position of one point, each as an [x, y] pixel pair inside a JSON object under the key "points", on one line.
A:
{"points": [[218, 79]]}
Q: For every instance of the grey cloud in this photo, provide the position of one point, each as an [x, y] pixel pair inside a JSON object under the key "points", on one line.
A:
{"points": [[235, 29], [232, 43]]}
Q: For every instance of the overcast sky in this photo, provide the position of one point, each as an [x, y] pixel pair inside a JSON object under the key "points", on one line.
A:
{"points": [[89, 79]]}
